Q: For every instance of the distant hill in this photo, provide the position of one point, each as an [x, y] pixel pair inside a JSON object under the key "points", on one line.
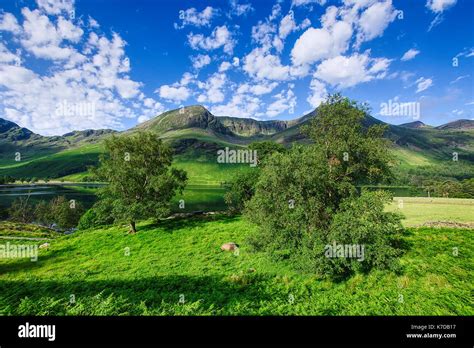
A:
{"points": [[415, 124], [196, 134], [457, 125]]}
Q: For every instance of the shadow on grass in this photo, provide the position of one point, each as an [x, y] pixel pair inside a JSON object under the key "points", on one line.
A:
{"points": [[25, 264], [176, 223], [130, 296]]}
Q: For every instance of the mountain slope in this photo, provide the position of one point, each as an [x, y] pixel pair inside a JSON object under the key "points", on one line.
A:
{"points": [[196, 135], [414, 124], [457, 125]]}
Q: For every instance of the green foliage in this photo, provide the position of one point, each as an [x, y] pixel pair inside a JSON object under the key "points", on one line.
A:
{"points": [[303, 195], [161, 266], [450, 188], [21, 210], [265, 149], [241, 190], [6, 179], [42, 213], [65, 214], [141, 181], [99, 215], [352, 151], [361, 223]]}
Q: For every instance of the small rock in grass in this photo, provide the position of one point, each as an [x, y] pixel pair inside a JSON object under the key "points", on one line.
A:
{"points": [[44, 246], [229, 247]]}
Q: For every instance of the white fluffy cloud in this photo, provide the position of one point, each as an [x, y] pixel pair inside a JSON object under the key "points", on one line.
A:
{"points": [[287, 25], [177, 94], [220, 37], [345, 72], [257, 88], [410, 54], [262, 65], [285, 101], [374, 20], [263, 32], [8, 22], [212, 89], [318, 93], [307, 2], [224, 66], [200, 61], [191, 16], [438, 6], [55, 7], [90, 88], [316, 44], [423, 84], [240, 105], [46, 39], [240, 9]]}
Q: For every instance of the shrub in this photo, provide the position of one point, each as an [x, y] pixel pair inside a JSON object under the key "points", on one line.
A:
{"points": [[307, 197], [98, 215], [361, 224], [21, 210], [241, 190]]}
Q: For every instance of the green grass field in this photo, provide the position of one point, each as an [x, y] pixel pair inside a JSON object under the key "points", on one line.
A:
{"points": [[177, 268], [419, 210]]}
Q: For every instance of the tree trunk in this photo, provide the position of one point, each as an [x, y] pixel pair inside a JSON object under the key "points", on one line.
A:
{"points": [[132, 227]]}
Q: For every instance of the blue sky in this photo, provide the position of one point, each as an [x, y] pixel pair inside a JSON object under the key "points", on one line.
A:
{"points": [[70, 65]]}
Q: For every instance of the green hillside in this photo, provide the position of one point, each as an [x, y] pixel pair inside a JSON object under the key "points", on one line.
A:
{"points": [[177, 268], [196, 135]]}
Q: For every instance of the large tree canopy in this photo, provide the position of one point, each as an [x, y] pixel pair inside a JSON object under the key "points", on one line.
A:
{"points": [[303, 197], [141, 181]]}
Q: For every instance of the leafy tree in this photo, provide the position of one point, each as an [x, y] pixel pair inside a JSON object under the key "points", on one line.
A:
{"points": [[242, 187], [241, 190], [65, 213], [43, 213], [60, 211], [141, 180], [360, 221], [352, 150], [266, 148], [99, 215], [300, 194], [21, 210]]}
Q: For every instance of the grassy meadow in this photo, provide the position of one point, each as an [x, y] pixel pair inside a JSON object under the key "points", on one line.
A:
{"points": [[176, 267], [422, 210]]}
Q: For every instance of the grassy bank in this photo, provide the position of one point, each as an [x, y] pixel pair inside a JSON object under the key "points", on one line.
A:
{"points": [[420, 210], [177, 268]]}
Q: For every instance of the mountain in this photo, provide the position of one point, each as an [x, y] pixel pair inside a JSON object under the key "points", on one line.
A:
{"points": [[25, 153], [415, 124], [458, 125], [196, 134]]}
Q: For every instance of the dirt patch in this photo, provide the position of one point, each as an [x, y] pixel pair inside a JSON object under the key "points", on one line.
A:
{"points": [[448, 224]]}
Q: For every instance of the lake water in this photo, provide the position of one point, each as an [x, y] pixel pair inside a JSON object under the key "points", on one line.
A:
{"points": [[195, 197]]}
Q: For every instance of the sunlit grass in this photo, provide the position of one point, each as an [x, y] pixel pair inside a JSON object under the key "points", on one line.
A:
{"points": [[110, 272]]}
